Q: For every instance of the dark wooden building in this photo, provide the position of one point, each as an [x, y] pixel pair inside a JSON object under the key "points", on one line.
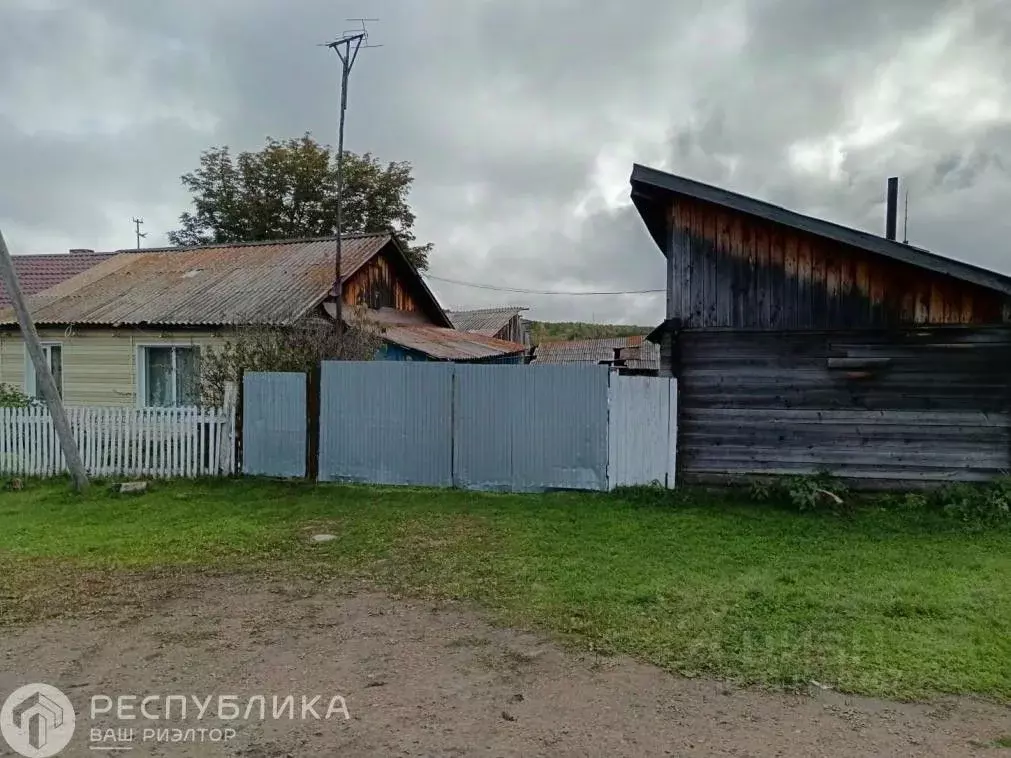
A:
{"points": [[801, 345]]}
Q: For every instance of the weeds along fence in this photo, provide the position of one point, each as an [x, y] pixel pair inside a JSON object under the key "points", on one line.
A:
{"points": [[150, 442]]}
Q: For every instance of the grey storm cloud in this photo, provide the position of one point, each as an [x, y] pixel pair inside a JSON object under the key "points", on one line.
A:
{"points": [[522, 120]]}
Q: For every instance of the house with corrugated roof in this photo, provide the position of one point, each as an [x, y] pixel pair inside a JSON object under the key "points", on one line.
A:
{"points": [[129, 329]]}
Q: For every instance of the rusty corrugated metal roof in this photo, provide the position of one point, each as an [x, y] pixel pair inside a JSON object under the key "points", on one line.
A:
{"points": [[450, 344], [487, 321], [248, 283], [634, 350]]}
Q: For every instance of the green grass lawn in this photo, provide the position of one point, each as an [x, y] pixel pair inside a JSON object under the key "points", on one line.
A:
{"points": [[888, 602]]}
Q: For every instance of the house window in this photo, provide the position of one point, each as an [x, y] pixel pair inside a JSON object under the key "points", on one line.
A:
{"points": [[170, 377], [53, 353]]}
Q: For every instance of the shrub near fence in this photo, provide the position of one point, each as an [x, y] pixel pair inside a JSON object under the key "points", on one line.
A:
{"points": [[153, 442]]}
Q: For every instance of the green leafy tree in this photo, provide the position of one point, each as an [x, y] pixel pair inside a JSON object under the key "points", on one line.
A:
{"points": [[288, 189]]}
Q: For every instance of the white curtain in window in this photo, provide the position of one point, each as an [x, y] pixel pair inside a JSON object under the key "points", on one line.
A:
{"points": [[187, 376], [159, 376]]}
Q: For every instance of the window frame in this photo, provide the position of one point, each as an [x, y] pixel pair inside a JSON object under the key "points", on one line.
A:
{"points": [[141, 367], [31, 382]]}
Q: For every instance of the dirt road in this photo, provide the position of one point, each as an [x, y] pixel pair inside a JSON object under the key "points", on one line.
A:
{"points": [[424, 680]]}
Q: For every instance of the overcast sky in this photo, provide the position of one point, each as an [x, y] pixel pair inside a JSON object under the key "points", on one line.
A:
{"points": [[522, 119]]}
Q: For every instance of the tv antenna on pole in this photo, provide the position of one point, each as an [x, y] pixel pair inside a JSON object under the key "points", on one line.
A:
{"points": [[137, 222], [347, 47]]}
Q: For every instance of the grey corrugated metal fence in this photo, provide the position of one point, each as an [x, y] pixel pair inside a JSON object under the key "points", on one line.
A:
{"points": [[642, 431], [273, 424], [495, 427], [386, 422], [530, 427]]}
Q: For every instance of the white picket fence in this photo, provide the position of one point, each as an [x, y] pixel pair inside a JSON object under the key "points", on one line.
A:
{"points": [[149, 442]]}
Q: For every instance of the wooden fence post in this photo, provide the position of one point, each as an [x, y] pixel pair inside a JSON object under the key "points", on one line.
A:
{"points": [[312, 406], [239, 401], [226, 448]]}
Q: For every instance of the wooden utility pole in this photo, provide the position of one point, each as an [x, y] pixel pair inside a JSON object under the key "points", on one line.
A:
{"points": [[137, 224], [43, 376], [347, 48]]}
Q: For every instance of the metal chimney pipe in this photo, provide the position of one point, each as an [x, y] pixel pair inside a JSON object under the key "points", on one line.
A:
{"points": [[892, 207]]}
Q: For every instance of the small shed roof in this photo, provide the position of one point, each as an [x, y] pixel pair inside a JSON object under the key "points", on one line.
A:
{"points": [[488, 321], [645, 356], [635, 351], [215, 285], [450, 344], [40, 272], [652, 190]]}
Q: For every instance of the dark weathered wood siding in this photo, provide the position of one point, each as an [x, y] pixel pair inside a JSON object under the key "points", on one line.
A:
{"points": [[732, 270], [378, 284], [514, 331], [905, 405]]}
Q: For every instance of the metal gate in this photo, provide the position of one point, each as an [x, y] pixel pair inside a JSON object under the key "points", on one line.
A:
{"points": [[386, 422], [273, 424], [511, 428]]}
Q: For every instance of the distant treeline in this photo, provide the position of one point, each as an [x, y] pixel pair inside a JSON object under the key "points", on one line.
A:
{"points": [[549, 331]]}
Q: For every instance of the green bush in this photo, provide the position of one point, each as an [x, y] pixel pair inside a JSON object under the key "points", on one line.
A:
{"points": [[762, 490], [817, 492], [12, 397], [914, 501], [973, 506], [984, 506]]}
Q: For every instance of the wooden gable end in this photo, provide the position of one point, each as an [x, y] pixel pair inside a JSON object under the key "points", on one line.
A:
{"points": [[729, 269], [387, 281]]}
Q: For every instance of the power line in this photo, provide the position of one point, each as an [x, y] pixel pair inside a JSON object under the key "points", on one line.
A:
{"points": [[522, 291]]}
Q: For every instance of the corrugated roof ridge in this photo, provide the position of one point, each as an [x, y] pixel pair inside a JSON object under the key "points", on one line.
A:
{"points": [[255, 243], [595, 340], [60, 256], [490, 310], [472, 336], [484, 320]]}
